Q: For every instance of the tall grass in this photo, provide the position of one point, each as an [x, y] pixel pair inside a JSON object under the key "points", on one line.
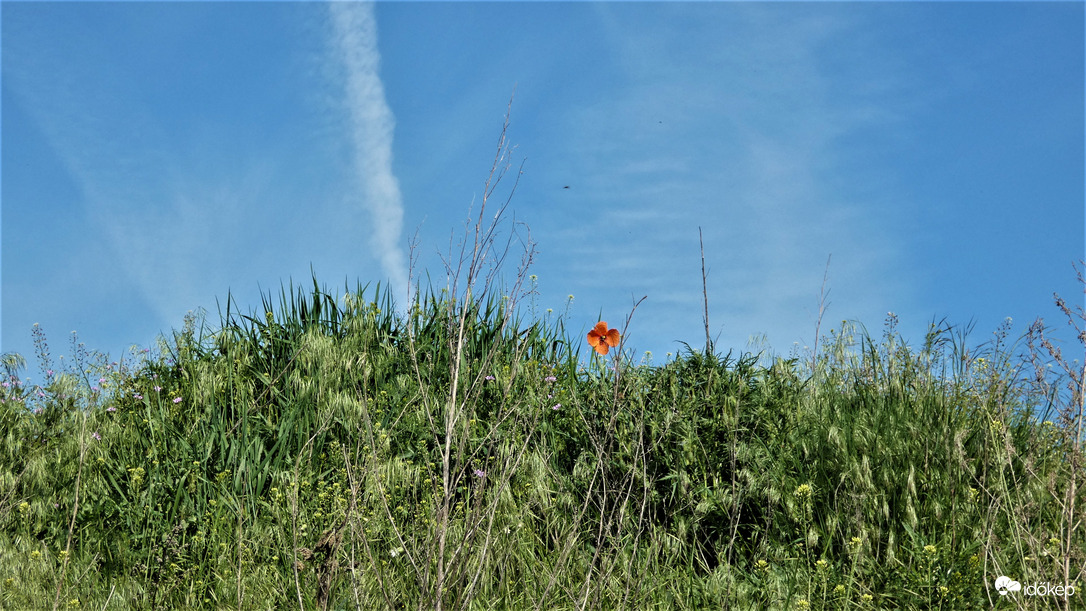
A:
{"points": [[327, 452], [351, 459]]}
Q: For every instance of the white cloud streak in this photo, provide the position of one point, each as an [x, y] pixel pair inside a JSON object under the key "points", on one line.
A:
{"points": [[371, 124]]}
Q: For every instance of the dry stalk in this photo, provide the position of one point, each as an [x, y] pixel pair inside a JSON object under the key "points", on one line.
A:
{"points": [[705, 296], [75, 511], [295, 550], [822, 305], [448, 572], [1071, 414]]}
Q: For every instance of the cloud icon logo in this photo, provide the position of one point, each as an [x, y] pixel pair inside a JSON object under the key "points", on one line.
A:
{"points": [[1005, 584]]}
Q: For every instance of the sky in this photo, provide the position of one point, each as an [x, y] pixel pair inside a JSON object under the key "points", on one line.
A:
{"points": [[925, 159]]}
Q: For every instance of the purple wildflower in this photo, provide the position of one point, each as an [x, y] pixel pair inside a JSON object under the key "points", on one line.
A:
{"points": [[557, 406], [177, 399], [489, 378], [158, 388], [480, 473], [96, 436], [111, 409], [550, 379]]}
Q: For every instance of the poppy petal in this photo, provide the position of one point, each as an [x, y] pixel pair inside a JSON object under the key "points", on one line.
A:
{"points": [[602, 348], [613, 337]]}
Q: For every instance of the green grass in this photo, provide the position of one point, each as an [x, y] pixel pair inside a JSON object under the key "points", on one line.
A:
{"points": [[324, 453], [329, 454]]}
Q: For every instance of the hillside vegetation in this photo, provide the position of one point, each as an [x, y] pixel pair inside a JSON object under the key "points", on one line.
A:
{"points": [[329, 453], [344, 458]]}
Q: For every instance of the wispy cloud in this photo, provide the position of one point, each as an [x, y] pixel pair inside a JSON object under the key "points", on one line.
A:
{"points": [[106, 144], [371, 124], [159, 215], [765, 176]]}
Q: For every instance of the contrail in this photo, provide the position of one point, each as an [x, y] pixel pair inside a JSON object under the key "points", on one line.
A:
{"points": [[371, 125]]}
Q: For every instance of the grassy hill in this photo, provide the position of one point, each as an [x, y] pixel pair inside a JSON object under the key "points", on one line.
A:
{"points": [[325, 453], [339, 456]]}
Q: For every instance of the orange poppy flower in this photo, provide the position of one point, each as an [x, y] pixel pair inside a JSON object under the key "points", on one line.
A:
{"points": [[601, 339]]}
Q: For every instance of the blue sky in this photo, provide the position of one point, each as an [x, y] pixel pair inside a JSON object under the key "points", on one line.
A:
{"points": [[157, 155]]}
